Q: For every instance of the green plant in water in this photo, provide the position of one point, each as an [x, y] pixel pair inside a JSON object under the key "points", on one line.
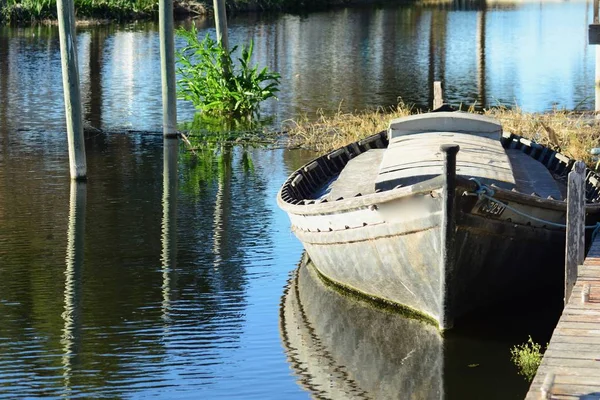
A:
{"points": [[214, 84], [527, 357]]}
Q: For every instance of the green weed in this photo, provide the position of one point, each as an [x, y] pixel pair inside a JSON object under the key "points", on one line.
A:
{"points": [[212, 81], [527, 357]]}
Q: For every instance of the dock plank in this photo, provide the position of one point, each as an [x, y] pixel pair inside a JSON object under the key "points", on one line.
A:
{"points": [[572, 359]]}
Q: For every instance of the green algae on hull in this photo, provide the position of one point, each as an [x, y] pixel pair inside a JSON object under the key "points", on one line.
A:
{"points": [[375, 302]]}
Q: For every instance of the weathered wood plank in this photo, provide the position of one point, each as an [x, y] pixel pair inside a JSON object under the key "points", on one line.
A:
{"points": [[575, 347], [572, 353], [571, 362], [576, 380], [579, 325], [593, 266], [574, 311], [580, 317], [564, 371], [583, 340], [574, 388], [575, 243], [576, 332]]}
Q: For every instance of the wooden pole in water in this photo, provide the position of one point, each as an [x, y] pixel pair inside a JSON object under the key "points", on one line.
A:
{"points": [[222, 35], [438, 97], [221, 23], [575, 242], [72, 95], [167, 67], [448, 232]]}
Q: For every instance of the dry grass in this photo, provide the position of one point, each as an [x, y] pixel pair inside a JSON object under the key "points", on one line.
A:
{"points": [[330, 132], [574, 134], [571, 133]]}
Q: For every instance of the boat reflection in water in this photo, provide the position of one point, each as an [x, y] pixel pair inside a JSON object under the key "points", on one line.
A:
{"points": [[343, 348]]}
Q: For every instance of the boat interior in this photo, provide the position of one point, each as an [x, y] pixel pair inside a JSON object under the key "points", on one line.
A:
{"points": [[409, 153]]}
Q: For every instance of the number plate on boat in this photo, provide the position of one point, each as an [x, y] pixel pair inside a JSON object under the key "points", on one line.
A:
{"points": [[492, 208]]}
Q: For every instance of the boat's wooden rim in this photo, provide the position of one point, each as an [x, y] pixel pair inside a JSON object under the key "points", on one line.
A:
{"points": [[292, 199]]}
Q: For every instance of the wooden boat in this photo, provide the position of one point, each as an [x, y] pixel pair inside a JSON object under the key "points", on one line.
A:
{"points": [[380, 218]]}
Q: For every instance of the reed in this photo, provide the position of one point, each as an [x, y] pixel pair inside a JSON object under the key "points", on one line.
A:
{"points": [[572, 133]]}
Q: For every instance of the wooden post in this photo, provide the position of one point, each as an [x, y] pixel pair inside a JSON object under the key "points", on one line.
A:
{"points": [[72, 95], [546, 389], [167, 67], [448, 231], [222, 34], [585, 294], [481, 25], [438, 98], [575, 235], [221, 23]]}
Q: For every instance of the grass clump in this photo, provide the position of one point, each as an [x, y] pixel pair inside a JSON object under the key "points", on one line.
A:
{"points": [[527, 357], [571, 133], [330, 132], [215, 85]]}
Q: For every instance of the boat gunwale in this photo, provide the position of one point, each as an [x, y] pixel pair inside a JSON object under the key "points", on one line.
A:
{"points": [[508, 140]]}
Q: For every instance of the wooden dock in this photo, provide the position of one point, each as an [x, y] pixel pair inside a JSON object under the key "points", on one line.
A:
{"points": [[570, 368]]}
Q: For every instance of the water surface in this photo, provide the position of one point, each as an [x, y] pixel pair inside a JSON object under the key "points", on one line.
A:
{"points": [[163, 275]]}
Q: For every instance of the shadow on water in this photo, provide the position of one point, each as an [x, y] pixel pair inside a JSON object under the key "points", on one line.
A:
{"points": [[343, 348]]}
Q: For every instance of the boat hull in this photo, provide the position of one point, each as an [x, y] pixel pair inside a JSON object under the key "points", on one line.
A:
{"points": [[419, 247], [396, 257]]}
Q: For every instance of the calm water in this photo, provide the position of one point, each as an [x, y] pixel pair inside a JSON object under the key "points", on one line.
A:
{"points": [[163, 275]]}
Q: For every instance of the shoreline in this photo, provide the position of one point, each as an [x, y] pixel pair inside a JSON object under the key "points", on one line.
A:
{"points": [[571, 132], [18, 16]]}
